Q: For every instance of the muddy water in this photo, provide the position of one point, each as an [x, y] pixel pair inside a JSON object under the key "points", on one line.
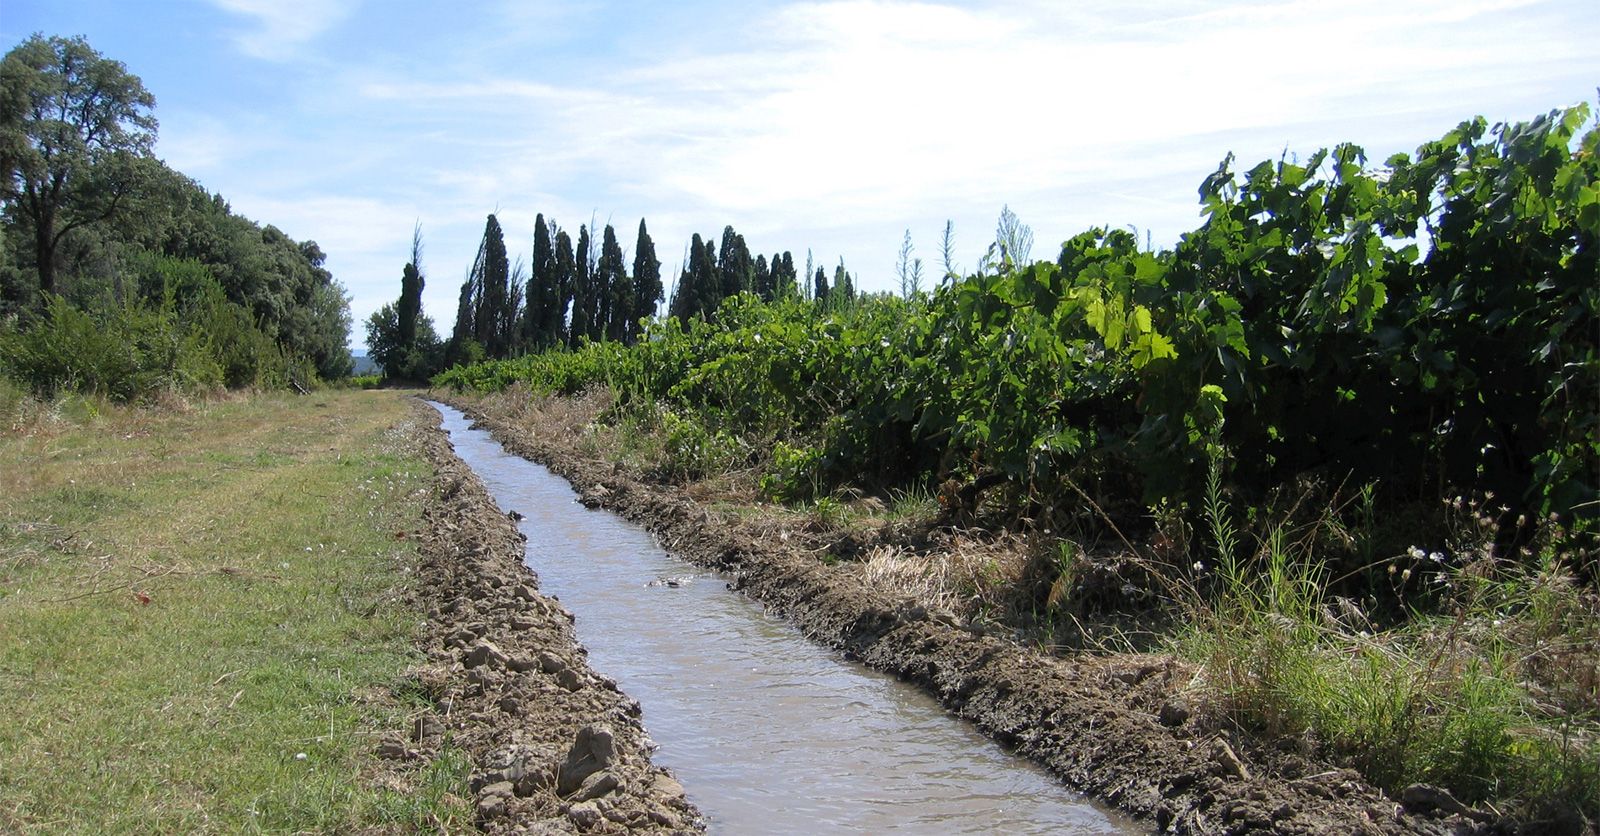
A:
{"points": [[767, 731]]}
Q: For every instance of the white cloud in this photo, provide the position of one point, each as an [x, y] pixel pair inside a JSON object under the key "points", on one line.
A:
{"points": [[283, 26], [838, 125]]}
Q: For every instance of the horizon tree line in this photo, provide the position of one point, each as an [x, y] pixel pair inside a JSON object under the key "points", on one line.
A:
{"points": [[577, 291]]}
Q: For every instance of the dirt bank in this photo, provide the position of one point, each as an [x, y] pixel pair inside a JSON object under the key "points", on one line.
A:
{"points": [[1117, 728], [554, 746]]}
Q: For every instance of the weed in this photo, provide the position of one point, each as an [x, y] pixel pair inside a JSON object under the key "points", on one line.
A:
{"points": [[1453, 699]]}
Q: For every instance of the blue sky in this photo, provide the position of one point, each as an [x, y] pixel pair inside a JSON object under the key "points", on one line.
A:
{"points": [[833, 126]]}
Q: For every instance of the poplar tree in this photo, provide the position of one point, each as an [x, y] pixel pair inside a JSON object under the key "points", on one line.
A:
{"points": [[647, 288], [844, 288], [410, 305]]}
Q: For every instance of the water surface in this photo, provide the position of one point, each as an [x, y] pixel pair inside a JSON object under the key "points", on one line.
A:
{"points": [[768, 732]]}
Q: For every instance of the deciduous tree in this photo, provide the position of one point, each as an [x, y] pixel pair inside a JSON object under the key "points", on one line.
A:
{"points": [[75, 128]]}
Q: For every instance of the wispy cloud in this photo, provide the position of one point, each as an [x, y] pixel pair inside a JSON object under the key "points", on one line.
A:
{"points": [[838, 124], [282, 27]]}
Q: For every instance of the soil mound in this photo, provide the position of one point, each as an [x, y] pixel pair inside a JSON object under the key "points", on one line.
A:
{"points": [[1116, 728], [555, 747]]}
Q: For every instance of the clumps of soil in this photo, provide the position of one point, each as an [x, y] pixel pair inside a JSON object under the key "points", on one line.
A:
{"points": [[554, 746], [1125, 729]]}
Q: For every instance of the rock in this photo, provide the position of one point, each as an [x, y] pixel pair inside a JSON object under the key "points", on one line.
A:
{"points": [[510, 705], [427, 726], [526, 593], [1174, 713], [522, 664], [392, 749], [1227, 762], [570, 680], [494, 800], [585, 815], [484, 652], [593, 749], [596, 785], [666, 788], [550, 663], [1422, 798]]}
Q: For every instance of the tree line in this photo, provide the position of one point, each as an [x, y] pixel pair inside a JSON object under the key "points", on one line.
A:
{"points": [[95, 230], [573, 294]]}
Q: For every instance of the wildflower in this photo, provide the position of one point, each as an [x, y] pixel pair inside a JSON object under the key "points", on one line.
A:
{"points": [[1406, 575], [1436, 557], [1199, 566], [1416, 553]]}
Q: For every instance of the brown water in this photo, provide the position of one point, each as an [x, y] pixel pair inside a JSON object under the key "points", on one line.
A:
{"points": [[768, 732]]}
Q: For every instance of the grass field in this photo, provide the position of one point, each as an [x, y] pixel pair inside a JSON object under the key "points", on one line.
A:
{"points": [[201, 614]]}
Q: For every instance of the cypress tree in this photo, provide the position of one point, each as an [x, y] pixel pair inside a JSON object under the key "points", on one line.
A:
{"points": [[462, 334], [564, 271], [585, 295], [619, 291], [646, 281], [686, 299], [734, 265], [763, 279], [785, 281], [820, 293], [554, 305], [707, 283], [844, 288], [491, 272], [600, 278], [534, 335]]}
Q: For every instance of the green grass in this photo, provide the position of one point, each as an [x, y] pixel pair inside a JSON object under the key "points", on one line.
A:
{"points": [[247, 693]]}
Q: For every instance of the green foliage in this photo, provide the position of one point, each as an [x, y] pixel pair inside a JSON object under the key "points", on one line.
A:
{"points": [[400, 361], [1301, 325], [75, 128], [793, 473], [178, 332], [86, 205]]}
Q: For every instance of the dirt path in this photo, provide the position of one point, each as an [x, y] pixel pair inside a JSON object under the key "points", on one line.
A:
{"points": [[555, 747], [1114, 728]]}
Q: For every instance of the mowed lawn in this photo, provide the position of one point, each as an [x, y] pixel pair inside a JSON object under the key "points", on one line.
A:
{"points": [[201, 618]]}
